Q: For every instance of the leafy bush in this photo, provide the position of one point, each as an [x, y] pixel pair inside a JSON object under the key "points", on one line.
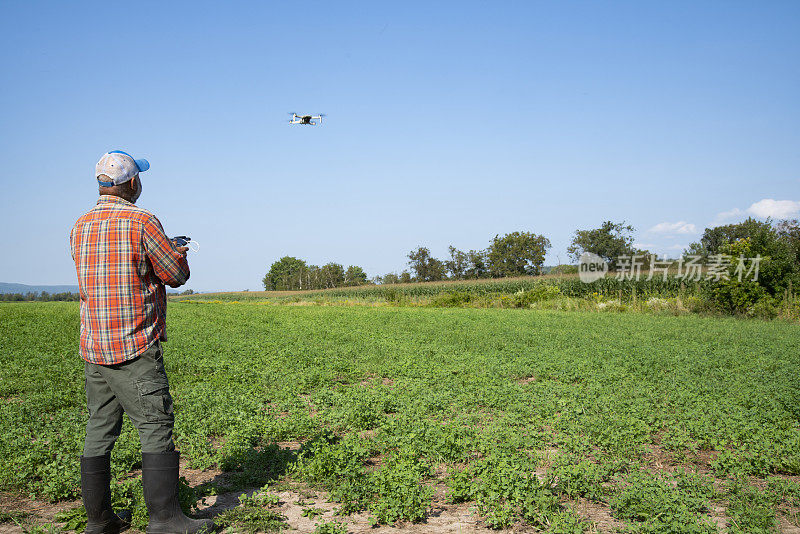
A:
{"points": [[764, 308], [540, 292], [733, 296]]}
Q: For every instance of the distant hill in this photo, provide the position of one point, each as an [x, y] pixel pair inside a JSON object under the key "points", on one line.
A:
{"points": [[6, 287]]}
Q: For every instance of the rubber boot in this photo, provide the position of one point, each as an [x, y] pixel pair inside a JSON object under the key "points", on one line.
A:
{"points": [[160, 483], [96, 492]]}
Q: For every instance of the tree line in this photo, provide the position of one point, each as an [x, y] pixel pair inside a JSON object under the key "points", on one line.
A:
{"points": [[514, 254], [42, 296], [290, 273], [523, 253]]}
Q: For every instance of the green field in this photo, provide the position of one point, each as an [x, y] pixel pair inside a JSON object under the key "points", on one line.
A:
{"points": [[664, 423]]}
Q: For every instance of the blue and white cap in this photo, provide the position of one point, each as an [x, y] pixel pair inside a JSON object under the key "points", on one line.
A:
{"points": [[119, 166]]}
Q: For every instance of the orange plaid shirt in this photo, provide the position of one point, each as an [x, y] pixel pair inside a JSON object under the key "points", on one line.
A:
{"points": [[123, 259]]}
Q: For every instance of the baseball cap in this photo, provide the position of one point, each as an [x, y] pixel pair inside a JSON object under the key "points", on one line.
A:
{"points": [[119, 166]]}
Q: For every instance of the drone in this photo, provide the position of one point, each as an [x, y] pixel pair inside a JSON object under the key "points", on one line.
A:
{"points": [[306, 119]]}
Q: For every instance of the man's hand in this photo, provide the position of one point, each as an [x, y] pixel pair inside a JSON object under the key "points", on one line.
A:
{"points": [[182, 250]]}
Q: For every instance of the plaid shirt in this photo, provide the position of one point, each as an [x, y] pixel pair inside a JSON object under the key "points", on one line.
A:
{"points": [[123, 259]]}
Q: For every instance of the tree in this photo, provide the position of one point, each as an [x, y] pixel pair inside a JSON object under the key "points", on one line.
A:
{"points": [[311, 277], [517, 254], [789, 231], [405, 277], [457, 264], [355, 276], [390, 278], [778, 247], [715, 238], [426, 267], [476, 264], [610, 241], [332, 275], [284, 274]]}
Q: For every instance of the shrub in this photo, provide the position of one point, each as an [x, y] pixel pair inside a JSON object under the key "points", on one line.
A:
{"points": [[764, 308], [734, 296], [524, 298]]}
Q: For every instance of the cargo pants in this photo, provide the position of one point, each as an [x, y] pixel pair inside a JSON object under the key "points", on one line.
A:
{"points": [[137, 387]]}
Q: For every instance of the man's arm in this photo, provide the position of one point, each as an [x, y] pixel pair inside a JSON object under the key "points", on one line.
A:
{"points": [[169, 263], [72, 244]]}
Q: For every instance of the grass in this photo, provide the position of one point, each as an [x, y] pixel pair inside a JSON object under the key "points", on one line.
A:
{"points": [[521, 412]]}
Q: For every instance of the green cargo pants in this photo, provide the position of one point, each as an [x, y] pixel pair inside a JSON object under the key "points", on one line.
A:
{"points": [[137, 387]]}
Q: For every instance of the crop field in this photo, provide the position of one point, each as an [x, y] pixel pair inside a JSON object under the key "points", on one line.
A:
{"points": [[667, 296], [401, 417], [567, 284]]}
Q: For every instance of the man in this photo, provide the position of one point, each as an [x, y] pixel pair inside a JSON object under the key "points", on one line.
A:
{"points": [[123, 259]]}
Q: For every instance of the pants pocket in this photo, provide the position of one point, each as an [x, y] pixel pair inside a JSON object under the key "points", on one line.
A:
{"points": [[155, 400]]}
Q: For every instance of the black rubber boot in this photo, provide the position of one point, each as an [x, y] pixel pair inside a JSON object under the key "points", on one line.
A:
{"points": [[96, 491], [160, 483]]}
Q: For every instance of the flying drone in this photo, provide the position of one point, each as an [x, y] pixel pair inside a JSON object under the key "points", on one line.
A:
{"points": [[306, 119]]}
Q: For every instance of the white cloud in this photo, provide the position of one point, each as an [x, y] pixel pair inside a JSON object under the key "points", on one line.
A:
{"points": [[680, 227], [644, 245], [777, 209], [727, 216]]}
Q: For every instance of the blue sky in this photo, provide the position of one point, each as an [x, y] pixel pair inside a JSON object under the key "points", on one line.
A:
{"points": [[448, 123]]}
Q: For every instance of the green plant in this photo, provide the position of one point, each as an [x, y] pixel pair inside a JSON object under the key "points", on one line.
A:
{"points": [[311, 512], [379, 396], [330, 527], [579, 478], [540, 292], [750, 509], [251, 520], [74, 519], [13, 517], [765, 308], [660, 507], [253, 515], [734, 296], [48, 528], [400, 492]]}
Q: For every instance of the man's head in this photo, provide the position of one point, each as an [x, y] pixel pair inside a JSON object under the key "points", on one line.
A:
{"points": [[117, 174]]}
